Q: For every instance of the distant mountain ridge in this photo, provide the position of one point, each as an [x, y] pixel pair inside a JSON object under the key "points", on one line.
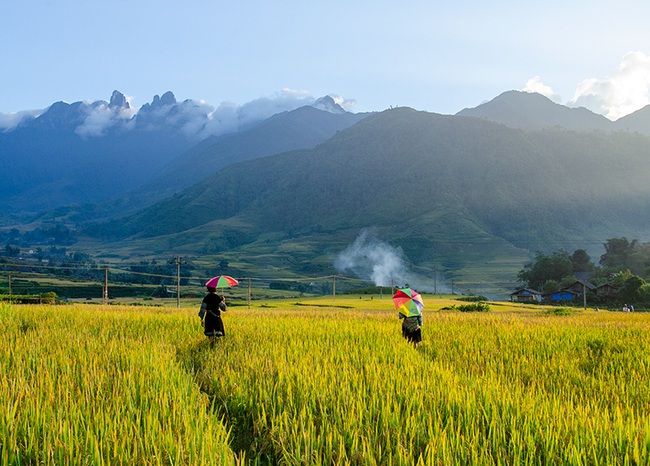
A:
{"points": [[302, 128], [466, 194], [447, 157], [532, 111], [91, 152], [98, 117], [454, 193], [638, 121]]}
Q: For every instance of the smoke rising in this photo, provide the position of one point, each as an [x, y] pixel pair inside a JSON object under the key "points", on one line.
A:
{"points": [[370, 258]]}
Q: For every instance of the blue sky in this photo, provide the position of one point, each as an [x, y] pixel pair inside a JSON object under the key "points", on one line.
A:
{"points": [[429, 55]]}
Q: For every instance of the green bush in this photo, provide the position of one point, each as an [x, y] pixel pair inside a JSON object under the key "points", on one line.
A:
{"points": [[472, 298], [474, 307], [561, 311]]}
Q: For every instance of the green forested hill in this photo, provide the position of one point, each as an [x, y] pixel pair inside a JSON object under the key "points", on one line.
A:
{"points": [[455, 193]]}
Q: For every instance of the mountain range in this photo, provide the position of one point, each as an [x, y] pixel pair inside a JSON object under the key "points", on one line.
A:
{"points": [[94, 152], [532, 111], [470, 196]]}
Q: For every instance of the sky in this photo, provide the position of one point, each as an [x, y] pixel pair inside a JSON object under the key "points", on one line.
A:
{"points": [[370, 54]]}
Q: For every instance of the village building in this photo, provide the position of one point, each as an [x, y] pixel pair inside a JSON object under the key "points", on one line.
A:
{"points": [[606, 290], [526, 295]]}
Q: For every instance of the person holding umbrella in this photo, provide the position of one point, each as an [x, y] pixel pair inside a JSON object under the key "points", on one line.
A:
{"points": [[212, 306], [409, 305], [412, 328]]}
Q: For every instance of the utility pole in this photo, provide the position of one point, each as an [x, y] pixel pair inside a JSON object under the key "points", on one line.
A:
{"points": [[334, 287], [105, 293], [178, 260], [9, 278], [249, 292], [435, 280]]}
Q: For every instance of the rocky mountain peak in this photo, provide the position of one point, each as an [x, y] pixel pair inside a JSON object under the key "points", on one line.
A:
{"points": [[118, 100], [167, 98], [328, 104]]}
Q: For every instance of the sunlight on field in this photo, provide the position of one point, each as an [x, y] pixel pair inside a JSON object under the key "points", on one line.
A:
{"points": [[323, 381]]}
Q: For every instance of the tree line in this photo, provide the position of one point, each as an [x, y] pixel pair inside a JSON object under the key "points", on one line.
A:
{"points": [[625, 265]]}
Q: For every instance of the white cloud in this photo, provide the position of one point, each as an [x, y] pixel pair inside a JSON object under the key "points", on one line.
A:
{"points": [[197, 119], [286, 91], [9, 121], [536, 85], [282, 101], [101, 117], [230, 116], [624, 92], [345, 104]]}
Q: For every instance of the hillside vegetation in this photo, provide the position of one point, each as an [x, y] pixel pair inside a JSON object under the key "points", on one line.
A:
{"points": [[453, 192]]}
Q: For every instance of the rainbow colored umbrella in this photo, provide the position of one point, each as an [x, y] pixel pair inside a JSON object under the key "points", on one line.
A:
{"points": [[408, 302], [222, 281]]}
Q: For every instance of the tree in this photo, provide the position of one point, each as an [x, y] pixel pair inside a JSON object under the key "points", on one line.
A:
{"points": [[39, 255], [640, 260], [617, 253], [556, 266], [630, 291], [630, 286], [581, 261], [550, 286], [12, 251], [644, 293]]}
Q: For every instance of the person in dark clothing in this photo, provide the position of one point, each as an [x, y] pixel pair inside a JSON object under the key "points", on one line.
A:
{"points": [[210, 314], [412, 328]]}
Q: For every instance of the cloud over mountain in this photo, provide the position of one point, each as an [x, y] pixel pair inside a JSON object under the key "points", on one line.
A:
{"points": [[535, 85], [229, 116], [196, 119], [101, 115], [624, 92], [620, 94], [9, 121]]}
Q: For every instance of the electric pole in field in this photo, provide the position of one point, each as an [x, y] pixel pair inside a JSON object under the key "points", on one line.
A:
{"points": [[435, 280], [178, 260], [105, 291]]}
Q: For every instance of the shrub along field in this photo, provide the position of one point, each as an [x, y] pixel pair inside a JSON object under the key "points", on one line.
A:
{"points": [[323, 382]]}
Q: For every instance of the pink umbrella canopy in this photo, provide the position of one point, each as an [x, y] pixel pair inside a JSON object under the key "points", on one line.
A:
{"points": [[222, 281]]}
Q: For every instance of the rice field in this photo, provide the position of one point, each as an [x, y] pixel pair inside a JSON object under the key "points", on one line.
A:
{"points": [[323, 382]]}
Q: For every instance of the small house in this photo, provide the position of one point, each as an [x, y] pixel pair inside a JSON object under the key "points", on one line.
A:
{"points": [[562, 295], [580, 286], [526, 295], [605, 290]]}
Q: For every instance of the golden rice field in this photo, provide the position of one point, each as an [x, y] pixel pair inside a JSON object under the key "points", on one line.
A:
{"points": [[322, 384]]}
